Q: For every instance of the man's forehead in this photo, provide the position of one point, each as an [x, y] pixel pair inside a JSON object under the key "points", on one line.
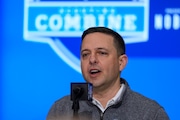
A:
{"points": [[97, 45], [97, 41], [96, 49]]}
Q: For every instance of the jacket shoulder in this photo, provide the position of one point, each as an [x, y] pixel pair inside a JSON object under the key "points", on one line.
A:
{"points": [[63, 102], [144, 106]]}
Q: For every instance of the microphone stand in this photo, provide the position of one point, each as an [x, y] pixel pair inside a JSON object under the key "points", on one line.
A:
{"points": [[75, 108], [77, 95]]}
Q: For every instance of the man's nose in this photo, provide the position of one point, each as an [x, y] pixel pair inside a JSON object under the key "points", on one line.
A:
{"points": [[93, 59]]}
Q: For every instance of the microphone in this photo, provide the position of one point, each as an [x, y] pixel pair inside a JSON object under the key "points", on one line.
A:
{"points": [[78, 92], [81, 91]]}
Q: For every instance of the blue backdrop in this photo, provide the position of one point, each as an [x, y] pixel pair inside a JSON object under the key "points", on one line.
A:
{"points": [[33, 75]]}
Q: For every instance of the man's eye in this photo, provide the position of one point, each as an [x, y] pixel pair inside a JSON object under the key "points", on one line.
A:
{"points": [[103, 53], [84, 54]]}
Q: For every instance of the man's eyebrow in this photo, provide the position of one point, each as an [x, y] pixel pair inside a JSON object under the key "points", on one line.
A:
{"points": [[84, 50], [100, 48]]}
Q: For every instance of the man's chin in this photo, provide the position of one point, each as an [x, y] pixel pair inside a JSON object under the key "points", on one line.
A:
{"points": [[96, 85]]}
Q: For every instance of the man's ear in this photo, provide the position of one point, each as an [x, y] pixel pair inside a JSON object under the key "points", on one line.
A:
{"points": [[123, 59]]}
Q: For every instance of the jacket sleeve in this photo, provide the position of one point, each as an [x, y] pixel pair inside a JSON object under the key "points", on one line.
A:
{"points": [[52, 113], [60, 110], [161, 115]]}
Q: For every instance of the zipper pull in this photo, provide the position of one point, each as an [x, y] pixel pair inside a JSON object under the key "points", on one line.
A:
{"points": [[101, 117]]}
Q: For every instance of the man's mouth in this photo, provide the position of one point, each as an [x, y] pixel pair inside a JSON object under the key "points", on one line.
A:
{"points": [[94, 71]]}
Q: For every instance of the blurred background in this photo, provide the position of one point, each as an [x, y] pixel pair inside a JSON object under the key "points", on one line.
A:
{"points": [[34, 73]]}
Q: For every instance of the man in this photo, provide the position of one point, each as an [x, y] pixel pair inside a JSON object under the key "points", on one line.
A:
{"points": [[102, 60]]}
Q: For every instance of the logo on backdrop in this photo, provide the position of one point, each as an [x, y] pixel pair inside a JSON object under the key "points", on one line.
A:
{"points": [[169, 20], [47, 22]]}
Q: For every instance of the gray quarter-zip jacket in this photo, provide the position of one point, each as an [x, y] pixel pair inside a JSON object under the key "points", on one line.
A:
{"points": [[132, 106]]}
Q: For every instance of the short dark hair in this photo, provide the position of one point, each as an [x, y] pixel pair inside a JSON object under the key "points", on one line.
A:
{"points": [[118, 40]]}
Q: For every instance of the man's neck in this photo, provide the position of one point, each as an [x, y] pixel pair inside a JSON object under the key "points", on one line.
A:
{"points": [[103, 96]]}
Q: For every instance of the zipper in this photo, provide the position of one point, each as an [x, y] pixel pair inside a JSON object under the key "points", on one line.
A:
{"points": [[101, 116], [102, 113]]}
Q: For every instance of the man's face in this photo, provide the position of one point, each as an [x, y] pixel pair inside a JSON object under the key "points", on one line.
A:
{"points": [[100, 63]]}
